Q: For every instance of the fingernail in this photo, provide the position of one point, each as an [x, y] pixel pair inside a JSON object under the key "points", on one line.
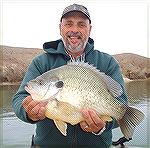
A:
{"points": [[85, 113]]}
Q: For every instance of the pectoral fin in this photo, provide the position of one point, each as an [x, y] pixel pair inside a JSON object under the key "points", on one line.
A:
{"points": [[62, 126]]}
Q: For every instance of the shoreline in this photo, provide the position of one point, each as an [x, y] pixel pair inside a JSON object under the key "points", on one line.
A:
{"points": [[9, 83]]}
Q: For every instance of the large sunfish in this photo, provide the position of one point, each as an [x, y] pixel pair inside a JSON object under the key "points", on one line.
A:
{"points": [[76, 86]]}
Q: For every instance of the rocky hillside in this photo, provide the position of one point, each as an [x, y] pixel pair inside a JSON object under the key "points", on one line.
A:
{"points": [[134, 66], [14, 62]]}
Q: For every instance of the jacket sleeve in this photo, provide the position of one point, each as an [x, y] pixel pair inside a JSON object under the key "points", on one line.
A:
{"points": [[33, 71]]}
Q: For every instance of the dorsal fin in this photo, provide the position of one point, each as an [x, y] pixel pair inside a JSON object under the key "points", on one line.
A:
{"points": [[84, 64]]}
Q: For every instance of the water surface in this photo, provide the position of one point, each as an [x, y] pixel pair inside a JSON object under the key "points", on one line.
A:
{"points": [[17, 134]]}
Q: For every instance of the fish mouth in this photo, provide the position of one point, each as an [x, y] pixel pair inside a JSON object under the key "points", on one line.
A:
{"points": [[50, 91], [33, 93]]}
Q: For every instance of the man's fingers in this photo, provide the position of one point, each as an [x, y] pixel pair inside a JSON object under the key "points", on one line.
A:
{"points": [[28, 103], [83, 125], [41, 113], [32, 105], [35, 110], [27, 100], [91, 124], [92, 121], [98, 122], [88, 118]]}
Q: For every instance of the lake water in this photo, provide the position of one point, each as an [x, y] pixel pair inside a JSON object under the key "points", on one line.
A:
{"points": [[17, 134]]}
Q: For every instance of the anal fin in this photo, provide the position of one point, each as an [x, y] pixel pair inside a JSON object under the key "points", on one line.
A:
{"points": [[62, 126]]}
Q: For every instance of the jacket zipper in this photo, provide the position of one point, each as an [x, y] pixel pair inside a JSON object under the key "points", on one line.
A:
{"points": [[74, 141]]}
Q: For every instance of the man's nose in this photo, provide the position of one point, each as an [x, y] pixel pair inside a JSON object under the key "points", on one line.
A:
{"points": [[75, 28]]}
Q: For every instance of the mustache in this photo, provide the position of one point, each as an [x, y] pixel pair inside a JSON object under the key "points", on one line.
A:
{"points": [[74, 34]]}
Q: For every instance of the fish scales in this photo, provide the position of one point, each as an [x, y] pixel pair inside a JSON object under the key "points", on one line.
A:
{"points": [[90, 89]]}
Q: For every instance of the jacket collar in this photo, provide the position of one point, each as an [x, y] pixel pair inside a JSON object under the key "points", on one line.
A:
{"points": [[57, 47]]}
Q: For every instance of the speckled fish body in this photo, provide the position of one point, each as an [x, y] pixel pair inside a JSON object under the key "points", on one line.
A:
{"points": [[76, 86]]}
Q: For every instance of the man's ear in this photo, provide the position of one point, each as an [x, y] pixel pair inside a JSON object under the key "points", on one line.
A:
{"points": [[90, 29], [60, 28]]}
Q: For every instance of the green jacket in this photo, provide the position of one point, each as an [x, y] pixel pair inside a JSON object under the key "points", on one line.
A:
{"points": [[47, 135]]}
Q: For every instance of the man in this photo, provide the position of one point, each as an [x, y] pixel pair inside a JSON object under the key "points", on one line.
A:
{"points": [[75, 28]]}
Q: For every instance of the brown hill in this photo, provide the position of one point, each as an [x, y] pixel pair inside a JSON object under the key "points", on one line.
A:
{"points": [[134, 66], [14, 62]]}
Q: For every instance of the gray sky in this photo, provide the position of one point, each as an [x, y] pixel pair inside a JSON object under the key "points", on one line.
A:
{"points": [[117, 26]]}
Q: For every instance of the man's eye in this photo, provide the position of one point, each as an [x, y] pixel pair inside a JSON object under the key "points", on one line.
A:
{"points": [[68, 25], [82, 25]]}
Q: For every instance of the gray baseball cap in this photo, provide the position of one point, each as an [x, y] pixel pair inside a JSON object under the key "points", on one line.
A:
{"points": [[78, 8]]}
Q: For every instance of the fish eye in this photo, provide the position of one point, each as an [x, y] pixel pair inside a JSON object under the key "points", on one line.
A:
{"points": [[59, 84]]}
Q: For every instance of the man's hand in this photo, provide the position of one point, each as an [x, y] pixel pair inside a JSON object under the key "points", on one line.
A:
{"points": [[35, 110], [92, 121]]}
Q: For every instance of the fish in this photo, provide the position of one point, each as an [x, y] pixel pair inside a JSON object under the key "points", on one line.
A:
{"points": [[76, 86]]}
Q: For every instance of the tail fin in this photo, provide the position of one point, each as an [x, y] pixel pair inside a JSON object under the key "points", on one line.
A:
{"points": [[130, 120]]}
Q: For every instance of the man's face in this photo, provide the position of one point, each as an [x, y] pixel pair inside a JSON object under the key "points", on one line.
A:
{"points": [[75, 30]]}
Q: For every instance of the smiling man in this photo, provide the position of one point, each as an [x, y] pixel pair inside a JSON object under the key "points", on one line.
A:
{"points": [[75, 45], [75, 28]]}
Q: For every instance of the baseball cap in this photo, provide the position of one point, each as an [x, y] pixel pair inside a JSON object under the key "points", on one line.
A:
{"points": [[78, 8]]}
